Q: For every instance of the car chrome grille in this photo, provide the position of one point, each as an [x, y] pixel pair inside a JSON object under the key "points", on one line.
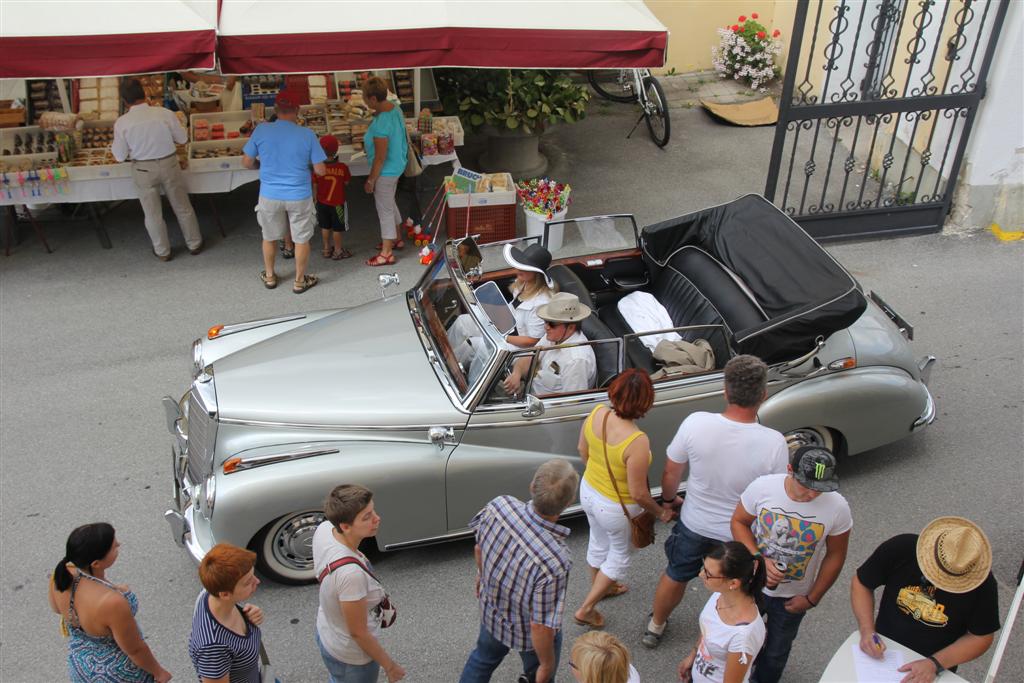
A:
{"points": [[202, 435]]}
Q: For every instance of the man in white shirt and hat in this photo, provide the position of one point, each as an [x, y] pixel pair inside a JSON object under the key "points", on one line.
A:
{"points": [[563, 369]]}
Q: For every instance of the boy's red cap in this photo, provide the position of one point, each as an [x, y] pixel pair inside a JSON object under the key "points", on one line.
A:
{"points": [[286, 100], [329, 143]]}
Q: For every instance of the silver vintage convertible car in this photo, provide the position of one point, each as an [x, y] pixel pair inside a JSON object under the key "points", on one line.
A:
{"points": [[281, 410]]}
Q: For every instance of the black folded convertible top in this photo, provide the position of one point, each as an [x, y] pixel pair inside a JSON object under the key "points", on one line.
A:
{"points": [[804, 292]]}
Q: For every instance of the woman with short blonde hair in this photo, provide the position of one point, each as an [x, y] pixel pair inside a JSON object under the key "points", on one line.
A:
{"points": [[599, 657]]}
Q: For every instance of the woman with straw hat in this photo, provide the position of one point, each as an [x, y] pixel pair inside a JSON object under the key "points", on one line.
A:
{"points": [[939, 597]]}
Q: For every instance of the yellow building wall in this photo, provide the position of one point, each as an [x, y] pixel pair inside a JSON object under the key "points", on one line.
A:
{"points": [[693, 25]]}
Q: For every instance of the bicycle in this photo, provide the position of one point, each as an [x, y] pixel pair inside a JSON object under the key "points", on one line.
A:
{"points": [[636, 85]]}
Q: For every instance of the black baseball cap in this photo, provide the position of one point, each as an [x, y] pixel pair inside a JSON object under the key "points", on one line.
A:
{"points": [[815, 468]]}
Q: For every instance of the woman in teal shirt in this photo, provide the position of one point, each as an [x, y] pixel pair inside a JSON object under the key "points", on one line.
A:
{"points": [[387, 152]]}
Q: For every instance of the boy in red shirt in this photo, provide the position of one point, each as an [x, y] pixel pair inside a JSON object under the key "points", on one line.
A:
{"points": [[331, 211]]}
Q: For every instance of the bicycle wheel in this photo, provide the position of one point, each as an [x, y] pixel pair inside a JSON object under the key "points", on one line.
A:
{"points": [[656, 114], [612, 84]]}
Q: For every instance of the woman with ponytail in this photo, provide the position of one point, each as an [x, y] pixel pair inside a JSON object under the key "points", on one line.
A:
{"points": [[731, 628], [105, 644]]}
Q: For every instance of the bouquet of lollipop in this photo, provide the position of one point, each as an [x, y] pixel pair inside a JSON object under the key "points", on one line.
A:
{"points": [[544, 196]]}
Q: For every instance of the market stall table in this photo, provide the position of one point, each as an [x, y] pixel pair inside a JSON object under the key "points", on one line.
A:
{"points": [[118, 189]]}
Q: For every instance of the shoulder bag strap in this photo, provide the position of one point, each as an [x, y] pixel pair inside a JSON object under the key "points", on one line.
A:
{"points": [[604, 442], [264, 657], [338, 564]]}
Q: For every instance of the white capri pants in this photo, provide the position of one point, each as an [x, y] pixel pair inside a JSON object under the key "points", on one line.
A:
{"points": [[387, 210], [609, 548]]}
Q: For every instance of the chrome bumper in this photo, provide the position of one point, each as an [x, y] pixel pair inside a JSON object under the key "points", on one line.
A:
{"points": [[181, 530], [928, 416]]}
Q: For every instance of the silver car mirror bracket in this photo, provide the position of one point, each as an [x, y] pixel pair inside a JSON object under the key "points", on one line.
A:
{"points": [[438, 435], [385, 280], [534, 406]]}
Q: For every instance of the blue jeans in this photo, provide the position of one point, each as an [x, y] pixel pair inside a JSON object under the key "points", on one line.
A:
{"points": [[490, 652], [782, 630], [340, 672]]}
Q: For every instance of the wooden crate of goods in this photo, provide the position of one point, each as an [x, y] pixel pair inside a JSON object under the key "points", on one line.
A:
{"points": [[221, 125], [216, 155]]}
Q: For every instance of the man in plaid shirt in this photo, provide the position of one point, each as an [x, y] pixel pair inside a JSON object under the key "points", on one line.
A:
{"points": [[523, 565]]}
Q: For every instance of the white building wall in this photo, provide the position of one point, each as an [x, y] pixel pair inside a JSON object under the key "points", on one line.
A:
{"points": [[992, 180]]}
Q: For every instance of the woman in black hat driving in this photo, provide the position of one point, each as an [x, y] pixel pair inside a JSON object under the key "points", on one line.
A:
{"points": [[531, 289]]}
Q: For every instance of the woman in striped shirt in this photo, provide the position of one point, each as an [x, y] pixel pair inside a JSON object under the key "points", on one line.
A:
{"points": [[225, 640]]}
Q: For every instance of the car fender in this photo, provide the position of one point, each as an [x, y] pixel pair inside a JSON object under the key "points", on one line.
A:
{"points": [[869, 406], [407, 480]]}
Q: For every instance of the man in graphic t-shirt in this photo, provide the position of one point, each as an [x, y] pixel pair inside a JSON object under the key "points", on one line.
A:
{"points": [[723, 453], [939, 597], [801, 525]]}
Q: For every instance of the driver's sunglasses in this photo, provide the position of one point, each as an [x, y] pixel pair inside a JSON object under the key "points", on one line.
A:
{"points": [[552, 326]]}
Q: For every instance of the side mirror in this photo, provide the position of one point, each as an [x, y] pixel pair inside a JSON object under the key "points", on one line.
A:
{"points": [[534, 407], [385, 280]]}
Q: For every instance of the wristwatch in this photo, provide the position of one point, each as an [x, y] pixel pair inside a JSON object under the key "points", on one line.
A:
{"points": [[938, 667]]}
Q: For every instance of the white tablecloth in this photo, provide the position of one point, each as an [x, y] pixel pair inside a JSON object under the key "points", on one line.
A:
{"points": [[114, 189], [209, 182]]}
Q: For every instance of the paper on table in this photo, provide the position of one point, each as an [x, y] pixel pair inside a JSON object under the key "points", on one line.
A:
{"points": [[871, 670]]}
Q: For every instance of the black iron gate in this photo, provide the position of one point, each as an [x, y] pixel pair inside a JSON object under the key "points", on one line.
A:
{"points": [[877, 104]]}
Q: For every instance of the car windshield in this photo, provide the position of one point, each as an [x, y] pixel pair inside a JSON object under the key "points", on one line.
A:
{"points": [[592, 235], [456, 333]]}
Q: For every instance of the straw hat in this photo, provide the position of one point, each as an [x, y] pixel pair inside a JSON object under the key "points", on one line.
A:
{"points": [[954, 554], [563, 308]]}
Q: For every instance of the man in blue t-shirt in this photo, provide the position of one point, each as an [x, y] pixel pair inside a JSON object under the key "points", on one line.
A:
{"points": [[285, 153]]}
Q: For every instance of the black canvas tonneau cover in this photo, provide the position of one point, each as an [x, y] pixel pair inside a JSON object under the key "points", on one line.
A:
{"points": [[803, 291]]}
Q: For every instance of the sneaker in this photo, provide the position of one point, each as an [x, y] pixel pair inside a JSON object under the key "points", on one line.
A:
{"points": [[650, 639]]}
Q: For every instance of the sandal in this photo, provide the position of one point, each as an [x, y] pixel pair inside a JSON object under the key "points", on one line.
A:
{"points": [[597, 621], [396, 244], [286, 252], [342, 254], [381, 260], [305, 283], [326, 252], [269, 281]]}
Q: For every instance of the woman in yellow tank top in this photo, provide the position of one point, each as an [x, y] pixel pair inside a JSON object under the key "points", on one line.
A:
{"points": [[613, 430]]}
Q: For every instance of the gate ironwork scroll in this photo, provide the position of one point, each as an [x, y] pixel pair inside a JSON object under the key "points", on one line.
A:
{"points": [[877, 105]]}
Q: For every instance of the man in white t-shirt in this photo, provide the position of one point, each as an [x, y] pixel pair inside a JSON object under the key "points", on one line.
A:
{"points": [[723, 453], [801, 524]]}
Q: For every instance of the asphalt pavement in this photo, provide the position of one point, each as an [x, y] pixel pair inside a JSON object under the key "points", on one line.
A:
{"points": [[90, 339]]}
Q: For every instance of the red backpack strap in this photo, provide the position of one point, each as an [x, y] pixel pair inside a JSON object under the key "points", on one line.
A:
{"points": [[337, 564]]}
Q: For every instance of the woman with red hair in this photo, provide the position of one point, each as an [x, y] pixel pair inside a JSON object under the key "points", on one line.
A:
{"points": [[617, 455]]}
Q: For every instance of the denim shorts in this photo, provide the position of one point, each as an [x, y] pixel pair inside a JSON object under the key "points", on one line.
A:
{"points": [[685, 551], [340, 672]]}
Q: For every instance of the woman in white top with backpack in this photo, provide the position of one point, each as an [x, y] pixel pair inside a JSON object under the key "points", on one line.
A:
{"points": [[354, 607], [731, 629]]}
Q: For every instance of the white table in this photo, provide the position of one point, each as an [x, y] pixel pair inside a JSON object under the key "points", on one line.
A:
{"points": [[117, 189], [841, 668]]}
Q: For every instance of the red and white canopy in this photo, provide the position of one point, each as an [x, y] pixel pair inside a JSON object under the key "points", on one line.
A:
{"points": [[302, 36], [75, 38]]}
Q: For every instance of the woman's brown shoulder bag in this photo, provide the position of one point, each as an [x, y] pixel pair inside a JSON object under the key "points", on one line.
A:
{"points": [[641, 526]]}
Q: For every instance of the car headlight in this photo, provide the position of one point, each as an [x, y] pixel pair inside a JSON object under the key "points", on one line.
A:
{"points": [[197, 357]]}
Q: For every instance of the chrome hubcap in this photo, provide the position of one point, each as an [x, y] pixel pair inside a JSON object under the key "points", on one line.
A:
{"points": [[805, 437], [293, 542]]}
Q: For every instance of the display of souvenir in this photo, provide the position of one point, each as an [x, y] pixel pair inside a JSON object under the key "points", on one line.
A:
{"points": [[428, 144]]}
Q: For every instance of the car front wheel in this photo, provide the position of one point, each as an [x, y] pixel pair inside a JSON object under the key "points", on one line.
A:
{"points": [[284, 548], [819, 436]]}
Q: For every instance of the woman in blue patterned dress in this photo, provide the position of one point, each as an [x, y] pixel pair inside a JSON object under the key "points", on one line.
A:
{"points": [[105, 645]]}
